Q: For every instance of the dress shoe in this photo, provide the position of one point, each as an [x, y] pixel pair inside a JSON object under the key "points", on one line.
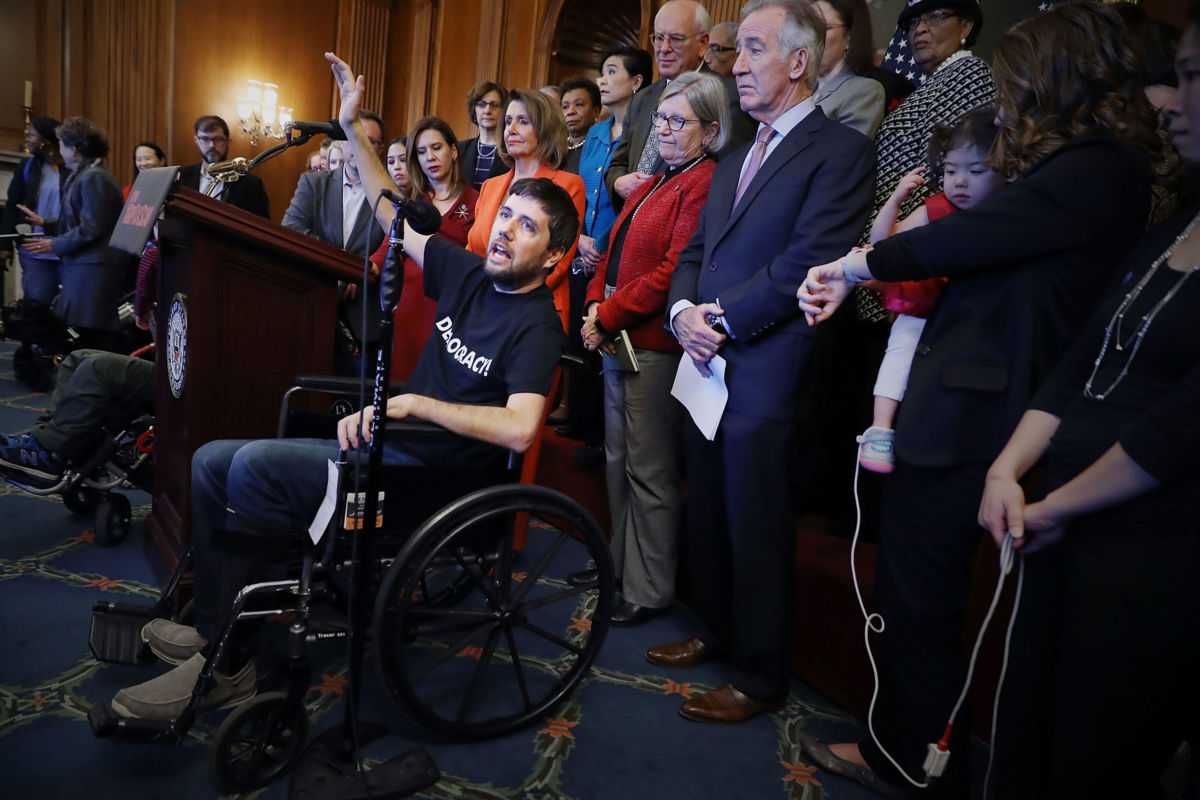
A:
{"points": [[631, 614], [728, 706], [591, 456], [819, 754], [583, 577], [688, 653]]}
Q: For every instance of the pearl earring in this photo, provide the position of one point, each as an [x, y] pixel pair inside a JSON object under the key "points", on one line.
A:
{"points": [[963, 42]]}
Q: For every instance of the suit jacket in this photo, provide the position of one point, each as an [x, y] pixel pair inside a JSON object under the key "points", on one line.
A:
{"points": [[742, 128], [852, 100], [247, 193], [664, 225], [1026, 267], [316, 211], [806, 206], [468, 152]]}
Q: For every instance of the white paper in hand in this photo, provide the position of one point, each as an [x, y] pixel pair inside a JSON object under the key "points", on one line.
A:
{"points": [[325, 513], [704, 398]]}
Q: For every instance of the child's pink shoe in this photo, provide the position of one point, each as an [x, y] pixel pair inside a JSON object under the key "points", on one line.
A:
{"points": [[875, 449]]}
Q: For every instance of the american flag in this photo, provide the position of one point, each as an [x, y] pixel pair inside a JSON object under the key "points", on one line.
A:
{"points": [[899, 60]]}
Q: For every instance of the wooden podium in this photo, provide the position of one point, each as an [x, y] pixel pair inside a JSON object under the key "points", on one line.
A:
{"points": [[244, 305]]}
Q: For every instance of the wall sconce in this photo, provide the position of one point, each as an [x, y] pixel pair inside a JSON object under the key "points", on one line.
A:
{"points": [[260, 112]]}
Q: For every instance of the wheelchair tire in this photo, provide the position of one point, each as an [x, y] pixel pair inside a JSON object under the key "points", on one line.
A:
{"points": [[475, 639], [114, 517], [259, 741], [81, 500]]}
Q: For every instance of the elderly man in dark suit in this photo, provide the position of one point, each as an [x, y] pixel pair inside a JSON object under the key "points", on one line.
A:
{"points": [[798, 197], [212, 140], [334, 207], [680, 40]]}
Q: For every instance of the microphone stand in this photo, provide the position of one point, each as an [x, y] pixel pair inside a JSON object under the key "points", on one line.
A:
{"points": [[333, 771], [243, 167]]}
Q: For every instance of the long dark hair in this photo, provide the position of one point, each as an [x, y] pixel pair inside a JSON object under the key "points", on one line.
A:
{"points": [[419, 184], [860, 52], [1065, 74]]}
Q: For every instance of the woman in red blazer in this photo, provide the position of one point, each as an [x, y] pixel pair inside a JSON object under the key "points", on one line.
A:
{"points": [[628, 296], [535, 144]]}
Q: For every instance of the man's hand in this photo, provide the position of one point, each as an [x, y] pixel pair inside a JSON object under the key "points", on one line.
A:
{"points": [[398, 407], [628, 184], [349, 87], [698, 339], [823, 291]]}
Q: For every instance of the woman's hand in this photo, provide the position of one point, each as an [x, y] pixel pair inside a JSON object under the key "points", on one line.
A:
{"points": [[1002, 509], [823, 291], [589, 254], [39, 245], [592, 337], [32, 216]]}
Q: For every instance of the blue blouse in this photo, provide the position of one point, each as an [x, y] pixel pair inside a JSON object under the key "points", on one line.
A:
{"points": [[593, 162]]}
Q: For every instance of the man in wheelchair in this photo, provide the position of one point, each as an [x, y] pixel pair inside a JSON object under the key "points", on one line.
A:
{"points": [[94, 390], [484, 376]]}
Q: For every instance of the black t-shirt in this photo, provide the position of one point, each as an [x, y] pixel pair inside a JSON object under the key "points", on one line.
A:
{"points": [[485, 346]]}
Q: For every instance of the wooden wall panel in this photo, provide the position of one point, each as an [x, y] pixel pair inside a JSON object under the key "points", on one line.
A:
{"points": [[22, 61], [724, 10], [363, 42]]}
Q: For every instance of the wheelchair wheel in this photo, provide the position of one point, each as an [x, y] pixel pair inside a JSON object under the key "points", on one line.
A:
{"points": [[259, 741], [113, 519], [475, 638], [83, 499]]}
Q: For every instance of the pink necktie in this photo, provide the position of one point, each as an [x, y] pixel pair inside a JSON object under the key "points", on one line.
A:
{"points": [[756, 158]]}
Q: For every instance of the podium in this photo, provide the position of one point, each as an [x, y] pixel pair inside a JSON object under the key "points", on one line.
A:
{"points": [[244, 305]]}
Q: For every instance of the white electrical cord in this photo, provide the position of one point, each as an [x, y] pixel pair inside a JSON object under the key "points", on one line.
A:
{"points": [[875, 622]]}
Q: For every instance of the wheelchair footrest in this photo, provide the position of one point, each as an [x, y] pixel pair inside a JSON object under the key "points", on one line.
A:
{"points": [[107, 724], [323, 772], [116, 632]]}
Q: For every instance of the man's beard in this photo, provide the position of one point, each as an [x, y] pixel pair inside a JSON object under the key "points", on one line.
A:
{"points": [[516, 276]]}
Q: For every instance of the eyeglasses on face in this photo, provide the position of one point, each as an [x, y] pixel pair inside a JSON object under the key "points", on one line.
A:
{"points": [[207, 140], [715, 49], [484, 104], [931, 19], [675, 40], [674, 123]]}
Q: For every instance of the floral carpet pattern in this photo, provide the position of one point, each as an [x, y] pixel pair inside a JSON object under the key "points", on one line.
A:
{"points": [[617, 736]]}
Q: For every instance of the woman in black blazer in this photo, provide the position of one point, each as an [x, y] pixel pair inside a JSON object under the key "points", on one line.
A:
{"points": [[1025, 267], [479, 154]]}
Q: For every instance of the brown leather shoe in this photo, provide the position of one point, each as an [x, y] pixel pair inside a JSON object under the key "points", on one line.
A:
{"points": [[727, 705], [688, 653]]}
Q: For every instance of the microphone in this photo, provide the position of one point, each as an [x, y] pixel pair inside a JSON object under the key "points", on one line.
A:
{"points": [[421, 215], [331, 129], [222, 170]]}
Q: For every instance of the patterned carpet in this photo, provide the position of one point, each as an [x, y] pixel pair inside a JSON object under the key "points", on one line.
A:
{"points": [[617, 736]]}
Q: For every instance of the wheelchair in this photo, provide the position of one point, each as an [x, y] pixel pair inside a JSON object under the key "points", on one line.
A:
{"points": [[121, 459], [474, 630]]}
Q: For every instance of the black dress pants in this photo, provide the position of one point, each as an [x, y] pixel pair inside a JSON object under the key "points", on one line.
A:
{"points": [[928, 535]]}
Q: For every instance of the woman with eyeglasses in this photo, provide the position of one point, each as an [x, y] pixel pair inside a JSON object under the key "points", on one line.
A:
{"points": [[480, 154], [843, 93], [534, 144], [625, 304], [939, 33]]}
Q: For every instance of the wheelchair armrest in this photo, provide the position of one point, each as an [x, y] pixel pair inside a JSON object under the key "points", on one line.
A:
{"points": [[412, 428], [336, 384]]}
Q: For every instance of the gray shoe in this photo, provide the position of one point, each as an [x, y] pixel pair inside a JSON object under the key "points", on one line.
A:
{"points": [[820, 755], [172, 642], [166, 696]]}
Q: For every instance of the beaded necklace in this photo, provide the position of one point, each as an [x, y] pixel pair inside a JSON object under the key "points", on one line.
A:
{"points": [[1112, 332]]}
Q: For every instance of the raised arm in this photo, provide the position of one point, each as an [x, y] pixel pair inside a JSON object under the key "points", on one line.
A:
{"points": [[373, 173]]}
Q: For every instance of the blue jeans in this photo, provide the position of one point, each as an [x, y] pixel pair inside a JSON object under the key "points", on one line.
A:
{"points": [[258, 492]]}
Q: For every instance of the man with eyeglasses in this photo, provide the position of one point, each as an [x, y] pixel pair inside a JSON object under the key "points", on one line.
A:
{"points": [[680, 41], [212, 140], [721, 53], [333, 207]]}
